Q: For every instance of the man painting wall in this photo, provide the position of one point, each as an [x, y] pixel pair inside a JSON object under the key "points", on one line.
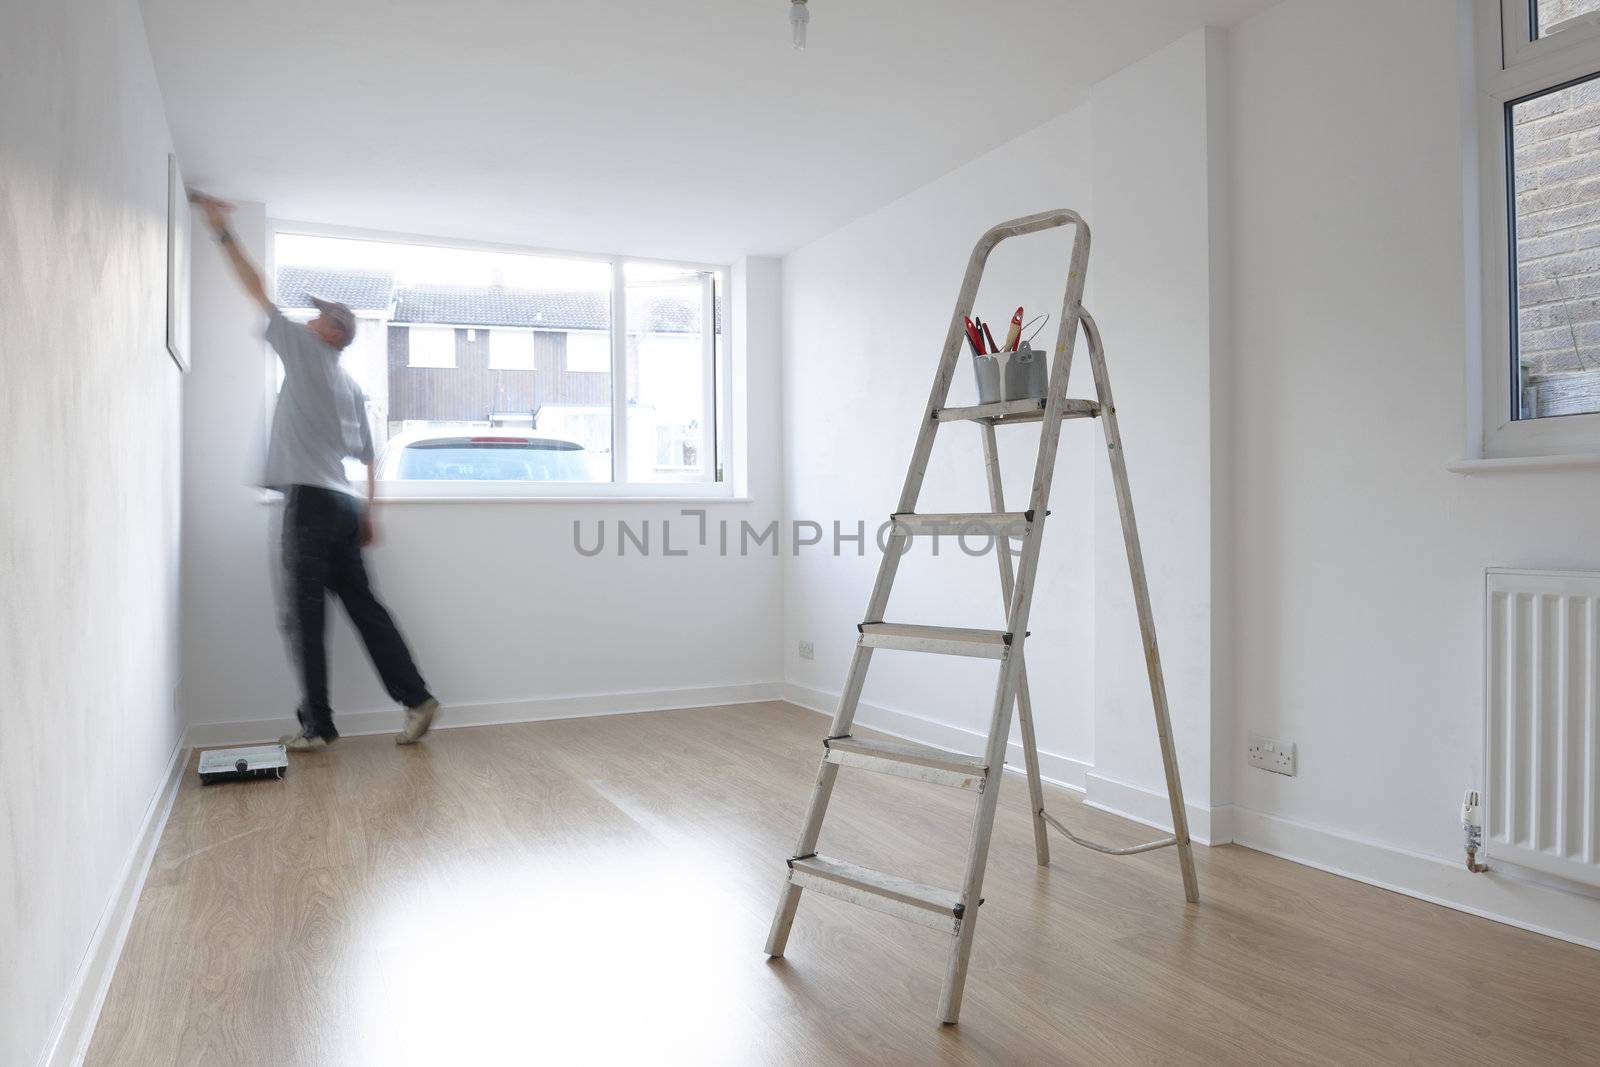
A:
{"points": [[320, 418]]}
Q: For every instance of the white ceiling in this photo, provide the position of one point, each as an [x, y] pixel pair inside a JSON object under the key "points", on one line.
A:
{"points": [[685, 129]]}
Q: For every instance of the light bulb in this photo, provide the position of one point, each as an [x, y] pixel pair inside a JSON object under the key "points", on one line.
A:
{"points": [[798, 17]]}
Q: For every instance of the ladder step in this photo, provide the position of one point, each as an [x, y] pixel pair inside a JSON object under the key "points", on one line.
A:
{"points": [[938, 908], [908, 760], [945, 640], [1010, 411], [993, 523]]}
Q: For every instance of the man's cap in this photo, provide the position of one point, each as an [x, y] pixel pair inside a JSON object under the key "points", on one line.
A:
{"points": [[339, 313]]}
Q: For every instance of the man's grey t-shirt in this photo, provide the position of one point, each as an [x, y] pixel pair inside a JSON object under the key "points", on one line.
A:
{"points": [[321, 415]]}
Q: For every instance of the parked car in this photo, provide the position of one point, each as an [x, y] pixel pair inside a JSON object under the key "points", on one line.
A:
{"points": [[497, 454]]}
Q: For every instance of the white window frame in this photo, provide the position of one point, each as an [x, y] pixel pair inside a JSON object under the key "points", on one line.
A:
{"points": [[1517, 32], [726, 454], [570, 334], [414, 329], [496, 332], [708, 357], [1511, 66]]}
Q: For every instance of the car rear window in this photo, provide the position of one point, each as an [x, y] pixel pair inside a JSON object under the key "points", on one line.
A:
{"points": [[504, 459]]}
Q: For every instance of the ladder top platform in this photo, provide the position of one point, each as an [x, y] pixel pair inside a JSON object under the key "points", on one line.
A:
{"points": [[1007, 412]]}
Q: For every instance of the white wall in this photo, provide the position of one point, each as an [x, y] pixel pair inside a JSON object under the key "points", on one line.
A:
{"points": [[865, 313], [1159, 274], [88, 492], [1360, 558], [1147, 143], [506, 619]]}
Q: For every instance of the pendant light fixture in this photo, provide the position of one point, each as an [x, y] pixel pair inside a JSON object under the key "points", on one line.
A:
{"points": [[798, 17]]}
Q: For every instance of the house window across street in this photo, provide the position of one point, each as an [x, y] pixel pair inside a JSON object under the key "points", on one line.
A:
{"points": [[431, 346]]}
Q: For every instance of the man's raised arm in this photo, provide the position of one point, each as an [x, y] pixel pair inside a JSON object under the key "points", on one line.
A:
{"points": [[216, 212]]}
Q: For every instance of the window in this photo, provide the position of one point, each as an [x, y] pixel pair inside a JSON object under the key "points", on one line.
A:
{"points": [[670, 356], [1555, 146], [1539, 82], [1554, 16], [511, 350], [678, 446], [588, 353], [510, 373], [431, 346]]}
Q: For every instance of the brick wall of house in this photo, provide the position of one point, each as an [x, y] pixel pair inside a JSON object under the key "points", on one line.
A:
{"points": [[1556, 166], [1555, 12]]}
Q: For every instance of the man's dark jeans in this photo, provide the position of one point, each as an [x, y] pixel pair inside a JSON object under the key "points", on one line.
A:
{"points": [[322, 554]]}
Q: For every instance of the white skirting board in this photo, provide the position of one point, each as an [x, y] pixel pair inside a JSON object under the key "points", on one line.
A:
{"points": [[69, 1040], [494, 713], [1504, 895], [1207, 826]]}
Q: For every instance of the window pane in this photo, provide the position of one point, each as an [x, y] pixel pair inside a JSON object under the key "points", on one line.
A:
{"points": [[511, 350], [460, 353], [1555, 140], [494, 458], [720, 374], [588, 351], [431, 346], [1552, 13], [668, 367]]}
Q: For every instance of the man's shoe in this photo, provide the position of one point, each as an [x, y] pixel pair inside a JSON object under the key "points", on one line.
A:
{"points": [[303, 742], [418, 720]]}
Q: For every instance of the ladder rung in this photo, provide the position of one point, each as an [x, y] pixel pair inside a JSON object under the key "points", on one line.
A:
{"points": [[938, 908], [1009, 411], [908, 760], [946, 640], [994, 523]]}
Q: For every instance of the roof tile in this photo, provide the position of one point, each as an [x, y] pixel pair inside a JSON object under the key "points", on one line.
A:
{"points": [[479, 305]]}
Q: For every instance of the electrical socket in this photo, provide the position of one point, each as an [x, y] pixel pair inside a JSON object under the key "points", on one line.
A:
{"points": [[808, 650], [1271, 754]]}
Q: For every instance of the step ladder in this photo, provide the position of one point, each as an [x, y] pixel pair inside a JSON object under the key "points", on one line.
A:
{"points": [[955, 911]]}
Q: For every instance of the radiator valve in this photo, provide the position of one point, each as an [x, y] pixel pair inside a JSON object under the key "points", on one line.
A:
{"points": [[1472, 828]]}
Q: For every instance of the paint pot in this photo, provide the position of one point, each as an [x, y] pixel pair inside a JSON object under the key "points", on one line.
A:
{"points": [[987, 370], [1026, 375]]}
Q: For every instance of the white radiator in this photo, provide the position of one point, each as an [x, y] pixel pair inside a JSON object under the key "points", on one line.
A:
{"points": [[1541, 731]]}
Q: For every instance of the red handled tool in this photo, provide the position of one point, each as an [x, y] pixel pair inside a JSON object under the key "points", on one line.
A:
{"points": [[974, 338]]}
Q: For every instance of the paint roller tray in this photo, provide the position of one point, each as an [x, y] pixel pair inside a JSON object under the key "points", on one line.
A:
{"points": [[235, 764]]}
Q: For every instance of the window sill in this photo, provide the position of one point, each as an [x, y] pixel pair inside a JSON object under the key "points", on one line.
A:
{"points": [[272, 496], [532, 499], [1508, 464]]}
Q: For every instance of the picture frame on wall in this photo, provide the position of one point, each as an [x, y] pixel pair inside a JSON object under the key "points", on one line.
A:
{"points": [[178, 266]]}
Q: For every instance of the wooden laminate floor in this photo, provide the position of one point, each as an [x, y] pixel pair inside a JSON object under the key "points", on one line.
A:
{"points": [[598, 891]]}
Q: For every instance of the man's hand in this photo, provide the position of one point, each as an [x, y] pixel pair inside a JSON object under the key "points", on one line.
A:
{"points": [[367, 528], [216, 211]]}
